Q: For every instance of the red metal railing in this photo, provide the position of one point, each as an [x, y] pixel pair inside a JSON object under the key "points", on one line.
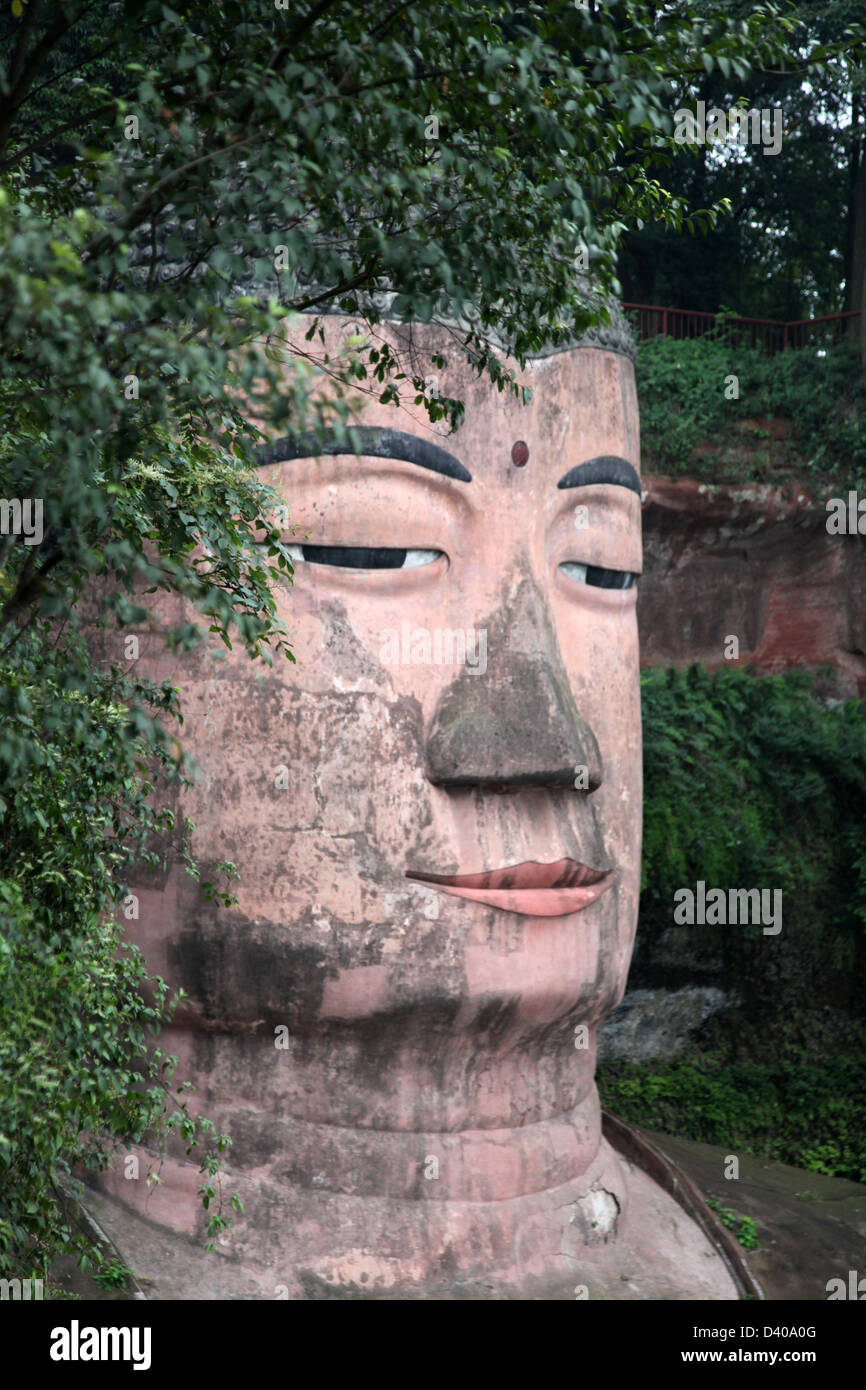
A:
{"points": [[654, 320]]}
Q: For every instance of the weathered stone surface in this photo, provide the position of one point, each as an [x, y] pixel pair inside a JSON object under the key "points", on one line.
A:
{"points": [[654, 1024], [756, 562], [431, 1127], [646, 1249]]}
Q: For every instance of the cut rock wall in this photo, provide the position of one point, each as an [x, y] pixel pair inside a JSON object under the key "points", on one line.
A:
{"points": [[755, 562]]}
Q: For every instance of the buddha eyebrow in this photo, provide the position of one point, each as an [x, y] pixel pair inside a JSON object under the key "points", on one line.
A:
{"points": [[607, 468], [372, 440]]}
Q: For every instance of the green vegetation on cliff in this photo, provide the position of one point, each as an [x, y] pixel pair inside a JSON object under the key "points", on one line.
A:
{"points": [[801, 412], [756, 782], [813, 1117]]}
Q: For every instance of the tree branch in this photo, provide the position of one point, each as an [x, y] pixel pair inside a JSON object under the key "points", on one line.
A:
{"points": [[24, 70], [44, 141]]}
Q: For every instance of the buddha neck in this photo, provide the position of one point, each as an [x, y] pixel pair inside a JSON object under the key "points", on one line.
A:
{"points": [[329, 1113]]}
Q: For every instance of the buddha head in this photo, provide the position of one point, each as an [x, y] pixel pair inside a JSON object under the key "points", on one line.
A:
{"points": [[436, 814]]}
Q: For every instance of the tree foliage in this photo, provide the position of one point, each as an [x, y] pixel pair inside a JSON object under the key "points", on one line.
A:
{"points": [[794, 244], [176, 182], [686, 409], [758, 781]]}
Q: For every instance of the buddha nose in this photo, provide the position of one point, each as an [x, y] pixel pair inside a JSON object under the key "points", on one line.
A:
{"points": [[517, 724]]}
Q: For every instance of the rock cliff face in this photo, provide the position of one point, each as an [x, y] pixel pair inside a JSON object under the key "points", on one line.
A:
{"points": [[756, 563], [654, 1024]]}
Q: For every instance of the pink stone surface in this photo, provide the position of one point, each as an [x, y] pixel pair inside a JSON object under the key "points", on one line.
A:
{"points": [[433, 1125]]}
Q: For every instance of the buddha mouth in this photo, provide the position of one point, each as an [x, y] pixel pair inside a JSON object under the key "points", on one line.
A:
{"points": [[536, 890]]}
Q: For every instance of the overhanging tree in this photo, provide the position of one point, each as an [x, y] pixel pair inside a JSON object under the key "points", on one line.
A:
{"points": [[175, 182], [795, 242]]}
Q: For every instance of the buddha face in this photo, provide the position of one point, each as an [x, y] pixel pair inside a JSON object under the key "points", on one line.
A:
{"points": [[436, 810]]}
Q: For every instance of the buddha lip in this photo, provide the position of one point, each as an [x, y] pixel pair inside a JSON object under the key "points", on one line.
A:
{"points": [[564, 873], [534, 889]]}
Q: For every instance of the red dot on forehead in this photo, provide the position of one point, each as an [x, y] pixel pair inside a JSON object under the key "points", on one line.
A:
{"points": [[519, 453]]}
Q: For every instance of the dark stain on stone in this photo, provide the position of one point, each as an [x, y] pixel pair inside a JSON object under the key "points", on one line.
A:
{"points": [[235, 978]]}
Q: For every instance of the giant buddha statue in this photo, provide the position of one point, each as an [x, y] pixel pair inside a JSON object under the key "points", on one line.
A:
{"points": [[436, 814]]}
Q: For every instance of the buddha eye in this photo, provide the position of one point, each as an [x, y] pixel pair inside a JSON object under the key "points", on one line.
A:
{"points": [[599, 577], [362, 557]]}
